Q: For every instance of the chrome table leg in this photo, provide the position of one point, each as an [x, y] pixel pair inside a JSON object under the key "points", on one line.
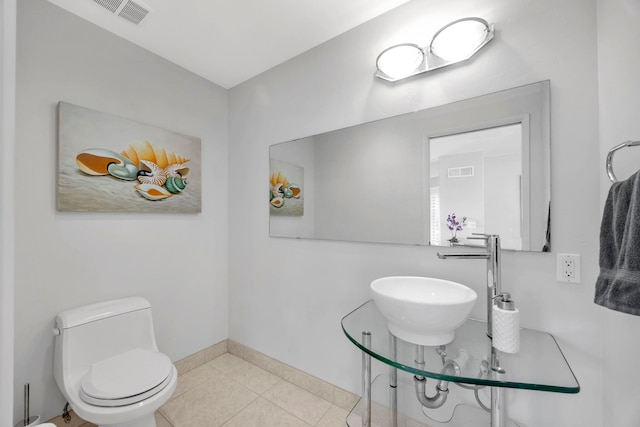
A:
{"points": [[498, 394], [366, 380], [498, 407], [393, 382]]}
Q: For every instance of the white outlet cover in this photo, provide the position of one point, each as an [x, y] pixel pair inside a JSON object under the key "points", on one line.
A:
{"points": [[568, 268]]}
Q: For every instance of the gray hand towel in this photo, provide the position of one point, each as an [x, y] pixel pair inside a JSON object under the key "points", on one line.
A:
{"points": [[618, 284]]}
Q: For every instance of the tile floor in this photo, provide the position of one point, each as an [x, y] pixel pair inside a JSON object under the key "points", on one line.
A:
{"points": [[231, 392]]}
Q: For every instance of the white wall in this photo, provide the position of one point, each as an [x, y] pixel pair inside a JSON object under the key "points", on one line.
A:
{"points": [[287, 296], [619, 82], [178, 262], [7, 217]]}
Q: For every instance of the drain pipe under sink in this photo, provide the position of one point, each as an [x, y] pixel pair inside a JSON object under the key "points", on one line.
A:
{"points": [[451, 367]]}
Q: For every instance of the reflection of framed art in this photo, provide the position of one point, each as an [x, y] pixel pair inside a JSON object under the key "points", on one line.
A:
{"points": [[110, 164], [286, 189]]}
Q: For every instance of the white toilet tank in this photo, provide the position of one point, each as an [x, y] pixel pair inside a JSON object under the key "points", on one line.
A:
{"points": [[98, 331]]}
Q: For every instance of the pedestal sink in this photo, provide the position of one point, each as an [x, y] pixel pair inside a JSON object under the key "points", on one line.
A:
{"points": [[423, 310]]}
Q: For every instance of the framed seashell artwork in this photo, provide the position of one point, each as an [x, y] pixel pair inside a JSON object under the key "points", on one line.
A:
{"points": [[286, 182], [111, 164]]}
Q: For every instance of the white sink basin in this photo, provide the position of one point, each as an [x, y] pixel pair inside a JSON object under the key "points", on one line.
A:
{"points": [[423, 310]]}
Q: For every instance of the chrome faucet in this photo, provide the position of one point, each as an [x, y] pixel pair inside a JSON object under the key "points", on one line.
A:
{"points": [[492, 255]]}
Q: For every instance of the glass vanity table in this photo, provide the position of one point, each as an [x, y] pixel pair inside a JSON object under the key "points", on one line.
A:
{"points": [[540, 365]]}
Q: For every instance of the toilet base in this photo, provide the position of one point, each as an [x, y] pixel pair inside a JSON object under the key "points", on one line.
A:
{"points": [[146, 421]]}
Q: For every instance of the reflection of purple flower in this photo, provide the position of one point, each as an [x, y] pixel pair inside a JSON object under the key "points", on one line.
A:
{"points": [[454, 225]]}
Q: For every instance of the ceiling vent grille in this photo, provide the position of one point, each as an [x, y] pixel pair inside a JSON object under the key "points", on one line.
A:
{"points": [[132, 11], [111, 5], [460, 172]]}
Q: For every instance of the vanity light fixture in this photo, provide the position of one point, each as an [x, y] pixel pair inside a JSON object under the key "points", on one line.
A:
{"points": [[455, 42]]}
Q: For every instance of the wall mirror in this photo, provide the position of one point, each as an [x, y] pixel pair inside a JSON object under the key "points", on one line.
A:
{"points": [[433, 177]]}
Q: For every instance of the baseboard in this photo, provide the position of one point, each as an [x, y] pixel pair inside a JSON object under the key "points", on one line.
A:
{"points": [[201, 357]]}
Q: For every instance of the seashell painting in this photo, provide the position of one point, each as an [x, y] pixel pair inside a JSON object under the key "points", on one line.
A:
{"points": [[175, 185], [100, 161], [285, 189], [111, 164], [154, 175], [277, 202], [147, 151], [152, 191]]}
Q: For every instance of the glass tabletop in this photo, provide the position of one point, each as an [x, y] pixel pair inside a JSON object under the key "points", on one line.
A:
{"points": [[540, 364]]}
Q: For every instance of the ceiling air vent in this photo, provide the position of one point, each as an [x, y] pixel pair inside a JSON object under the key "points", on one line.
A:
{"points": [[111, 5], [460, 172], [132, 11]]}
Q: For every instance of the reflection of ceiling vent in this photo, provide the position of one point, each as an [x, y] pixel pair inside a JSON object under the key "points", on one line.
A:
{"points": [[132, 11], [460, 172]]}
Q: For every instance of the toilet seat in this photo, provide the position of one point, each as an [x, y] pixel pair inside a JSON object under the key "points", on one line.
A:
{"points": [[126, 378]]}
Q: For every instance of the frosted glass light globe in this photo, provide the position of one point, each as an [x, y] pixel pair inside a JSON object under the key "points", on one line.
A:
{"points": [[458, 40], [400, 61]]}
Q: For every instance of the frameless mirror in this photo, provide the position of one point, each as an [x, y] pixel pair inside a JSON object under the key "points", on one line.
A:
{"points": [[436, 176]]}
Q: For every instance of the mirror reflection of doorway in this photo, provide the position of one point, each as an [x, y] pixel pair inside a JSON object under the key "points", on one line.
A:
{"points": [[480, 177]]}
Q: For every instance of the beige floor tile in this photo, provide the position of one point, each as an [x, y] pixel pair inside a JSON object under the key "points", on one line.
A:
{"points": [[161, 421], [262, 413], [304, 405], [193, 378], [335, 417], [209, 404], [356, 421], [247, 374], [379, 418], [76, 421]]}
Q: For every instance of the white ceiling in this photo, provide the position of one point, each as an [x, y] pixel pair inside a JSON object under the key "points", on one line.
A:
{"points": [[230, 41]]}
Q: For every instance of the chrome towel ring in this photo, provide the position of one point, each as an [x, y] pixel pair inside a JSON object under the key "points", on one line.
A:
{"points": [[612, 176]]}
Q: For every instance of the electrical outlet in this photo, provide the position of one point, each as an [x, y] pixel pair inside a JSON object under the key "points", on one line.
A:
{"points": [[568, 268]]}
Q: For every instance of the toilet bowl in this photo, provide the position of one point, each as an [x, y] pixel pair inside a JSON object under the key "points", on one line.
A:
{"points": [[107, 363]]}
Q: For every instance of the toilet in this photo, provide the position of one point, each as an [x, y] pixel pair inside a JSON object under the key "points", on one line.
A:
{"points": [[107, 363]]}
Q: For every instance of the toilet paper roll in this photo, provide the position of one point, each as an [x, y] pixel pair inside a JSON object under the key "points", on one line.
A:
{"points": [[506, 330]]}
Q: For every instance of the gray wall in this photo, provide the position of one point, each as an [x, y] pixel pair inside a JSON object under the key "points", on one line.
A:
{"points": [[178, 262], [287, 296]]}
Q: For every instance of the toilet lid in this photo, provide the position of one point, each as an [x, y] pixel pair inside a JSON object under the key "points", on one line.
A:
{"points": [[127, 374]]}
